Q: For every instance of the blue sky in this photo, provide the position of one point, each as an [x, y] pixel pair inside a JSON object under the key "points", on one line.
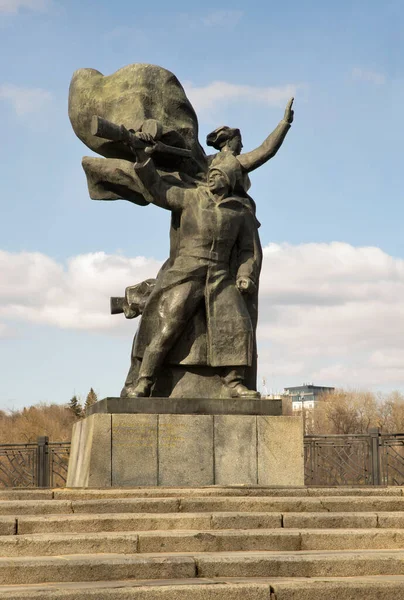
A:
{"points": [[333, 190]]}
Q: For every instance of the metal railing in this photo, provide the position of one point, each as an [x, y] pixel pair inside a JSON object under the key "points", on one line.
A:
{"points": [[372, 458], [40, 464]]}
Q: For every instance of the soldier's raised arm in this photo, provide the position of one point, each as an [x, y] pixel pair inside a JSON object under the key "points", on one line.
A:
{"points": [[254, 159], [154, 189]]}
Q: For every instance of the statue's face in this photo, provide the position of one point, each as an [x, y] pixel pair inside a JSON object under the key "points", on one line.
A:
{"points": [[217, 182], [235, 144]]}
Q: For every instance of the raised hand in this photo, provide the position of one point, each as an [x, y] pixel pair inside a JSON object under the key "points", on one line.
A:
{"points": [[145, 137], [289, 113], [146, 147]]}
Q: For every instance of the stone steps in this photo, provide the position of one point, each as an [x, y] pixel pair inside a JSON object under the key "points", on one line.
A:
{"points": [[203, 544], [76, 523], [167, 492], [106, 522], [116, 566], [218, 491], [200, 541], [185, 504], [355, 588]]}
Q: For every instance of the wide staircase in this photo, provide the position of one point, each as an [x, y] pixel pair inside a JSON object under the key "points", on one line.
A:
{"points": [[230, 543]]}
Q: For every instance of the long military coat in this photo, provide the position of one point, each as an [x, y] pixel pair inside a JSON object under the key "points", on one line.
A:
{"points": [[217, 242]]}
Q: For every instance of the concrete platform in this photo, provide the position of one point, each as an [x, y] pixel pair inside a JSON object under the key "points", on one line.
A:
{"points": [[187, 406]]}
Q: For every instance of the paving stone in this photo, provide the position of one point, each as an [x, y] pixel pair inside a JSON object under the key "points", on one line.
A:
{"points": [[348, 539], [114, 522], [245, 520], [147, 505], [216, 490], [302, 564], [22, 570], [331, 520], [63, 544], [219, 541], [26, 494], [392, 519], [186, 589], [35, 507], [8, 526]]}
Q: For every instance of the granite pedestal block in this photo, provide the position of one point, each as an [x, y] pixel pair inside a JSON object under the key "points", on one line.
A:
{"points": [[187, 406], [198, 443]]}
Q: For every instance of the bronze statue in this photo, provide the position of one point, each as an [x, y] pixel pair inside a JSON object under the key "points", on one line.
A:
{"points": [[214, 226], [200, 314]]}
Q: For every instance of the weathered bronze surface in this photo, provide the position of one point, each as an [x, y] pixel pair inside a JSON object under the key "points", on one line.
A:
{"points": [[196, 336]]}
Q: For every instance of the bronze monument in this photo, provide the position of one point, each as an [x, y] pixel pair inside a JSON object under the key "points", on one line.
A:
{"points": [[196, 336]]}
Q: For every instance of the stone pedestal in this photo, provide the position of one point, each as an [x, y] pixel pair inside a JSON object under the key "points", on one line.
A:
{"points": [[186, 442]]}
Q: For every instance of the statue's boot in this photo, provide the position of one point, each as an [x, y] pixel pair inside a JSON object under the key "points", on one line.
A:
{"points": [[234, 381], [141, 390], [241, 391], [148, 368]]}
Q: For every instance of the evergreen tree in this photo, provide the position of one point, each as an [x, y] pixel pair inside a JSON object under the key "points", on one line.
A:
{"points": [[75, 406], [91, 399]]}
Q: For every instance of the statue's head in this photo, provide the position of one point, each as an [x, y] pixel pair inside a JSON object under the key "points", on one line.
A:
{"points": [[225, 137], [221, 179]]}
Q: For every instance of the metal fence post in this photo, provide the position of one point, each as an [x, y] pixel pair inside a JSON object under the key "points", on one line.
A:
{"points": [[313, 459], [374, 433], [43, 461]]}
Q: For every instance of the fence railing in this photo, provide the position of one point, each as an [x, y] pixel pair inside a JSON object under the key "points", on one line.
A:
{"points": [[40, 464], [372, 458]]}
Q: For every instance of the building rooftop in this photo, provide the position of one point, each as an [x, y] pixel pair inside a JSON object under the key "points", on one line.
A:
{"points": [[310, 388]]}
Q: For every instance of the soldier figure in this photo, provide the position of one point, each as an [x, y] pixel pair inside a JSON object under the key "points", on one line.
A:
{"points": [[215, 227]]}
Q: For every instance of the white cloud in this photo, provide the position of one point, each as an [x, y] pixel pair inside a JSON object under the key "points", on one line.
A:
{"points": [[5, 331], [335, 308], [329, 313], [219, 93], [37, 289], [25, 100], [369, 76], [14, 6]]}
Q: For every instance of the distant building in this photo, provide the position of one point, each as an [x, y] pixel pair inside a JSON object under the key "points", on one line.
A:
{"points": [[305, 396]]}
